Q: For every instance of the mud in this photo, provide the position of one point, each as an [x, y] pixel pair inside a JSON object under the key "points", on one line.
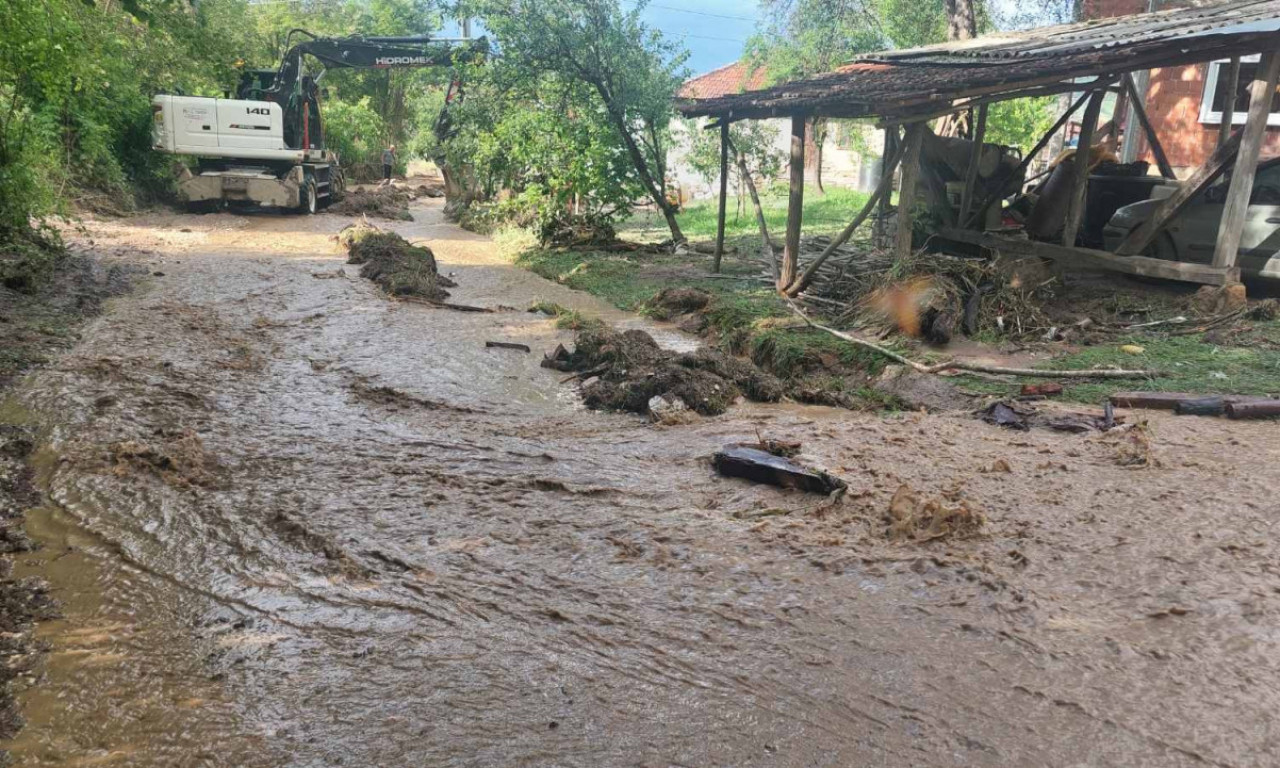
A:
{"points": [[420, 551]]}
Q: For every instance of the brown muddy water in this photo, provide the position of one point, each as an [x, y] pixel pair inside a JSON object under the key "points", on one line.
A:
{"points": [[293, 523]]}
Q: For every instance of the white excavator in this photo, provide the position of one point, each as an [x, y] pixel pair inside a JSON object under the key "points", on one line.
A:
{"points": [[266, 146]]}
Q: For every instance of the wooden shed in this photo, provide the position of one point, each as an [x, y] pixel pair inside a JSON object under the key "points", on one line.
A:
{"points": [[903, 90]]}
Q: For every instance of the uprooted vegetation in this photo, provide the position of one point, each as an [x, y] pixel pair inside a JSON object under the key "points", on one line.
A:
{"points": [[385, 201], [626, 371], [398, 266]]}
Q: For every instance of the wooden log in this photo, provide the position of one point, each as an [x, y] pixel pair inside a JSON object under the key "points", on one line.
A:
{"points": [[795, 204], [763, 467], [1153, 140], [1164, 401], [1080, 175], [880, 194], [971, 172], [724, 194], [1253, 409], [1255, 130], [1201, 406], [1229, 109], [907, 193], [1026, 161], [507, 345], [1145, 233]]}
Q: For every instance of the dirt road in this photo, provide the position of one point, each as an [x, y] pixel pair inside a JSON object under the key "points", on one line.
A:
{"points": [[298, 524]]}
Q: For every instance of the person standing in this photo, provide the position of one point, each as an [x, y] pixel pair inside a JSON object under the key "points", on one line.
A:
{"points": [[388, 163]]}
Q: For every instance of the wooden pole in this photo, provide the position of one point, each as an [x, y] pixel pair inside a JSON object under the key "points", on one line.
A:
{"points": [[795, 205], [1255, 130], [879, 195], [1080, 182], [724, 194], [1140, 112], [907, 192], [890, 149], [975, 158], [1229, 108]]}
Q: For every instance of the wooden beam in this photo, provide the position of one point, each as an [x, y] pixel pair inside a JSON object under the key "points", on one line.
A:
{"points": [[975, 156], [1090, 259], [880, 194], [997, 194], [724, 195], [1255, 130], [1080, 177], [1229, 109], [907, 192], [795, 204], [1145, 233], [1140, 112]]}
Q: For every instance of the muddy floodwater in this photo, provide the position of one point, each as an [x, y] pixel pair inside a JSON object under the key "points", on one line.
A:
{"points": [[294, 523]]}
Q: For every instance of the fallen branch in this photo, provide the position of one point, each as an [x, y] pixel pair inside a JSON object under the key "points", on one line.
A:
{"points": [[507, 345], [973, 367], [445, 305]]}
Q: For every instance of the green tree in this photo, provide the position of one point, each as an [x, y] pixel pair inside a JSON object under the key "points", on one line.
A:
{"points": [[630, 71]]}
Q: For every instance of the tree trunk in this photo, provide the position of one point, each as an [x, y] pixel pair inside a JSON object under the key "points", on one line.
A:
{"points": [[819, 139], [962, 22], [642, 168]]}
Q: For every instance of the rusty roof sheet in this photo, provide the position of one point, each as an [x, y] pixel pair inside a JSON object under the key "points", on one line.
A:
{"points": [[920, 81]]}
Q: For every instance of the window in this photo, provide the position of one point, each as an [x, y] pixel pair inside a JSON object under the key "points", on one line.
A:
{"points": [[1213, 104]]}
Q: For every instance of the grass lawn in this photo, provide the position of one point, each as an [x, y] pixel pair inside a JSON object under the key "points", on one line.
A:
{"points": [[823, 215]]}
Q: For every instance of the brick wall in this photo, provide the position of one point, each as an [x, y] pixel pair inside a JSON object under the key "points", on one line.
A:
{"points": [[1173, 101]]}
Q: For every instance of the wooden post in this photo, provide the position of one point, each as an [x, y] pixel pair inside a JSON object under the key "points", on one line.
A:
{"points": [[1140, 112], [907, 192], [724, 193], [1255, 129], [1080, 181], [744, 174], [882, 212], [975, 158], [1229, 109], [795, 205]]}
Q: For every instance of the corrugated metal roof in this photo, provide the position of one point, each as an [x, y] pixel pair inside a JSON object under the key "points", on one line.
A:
{"points": [[918, 81]]}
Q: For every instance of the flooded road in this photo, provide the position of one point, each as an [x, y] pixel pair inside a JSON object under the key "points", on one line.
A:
{"points": [[294, 523]]}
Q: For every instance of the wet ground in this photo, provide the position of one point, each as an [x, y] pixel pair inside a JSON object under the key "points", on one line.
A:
{"points": [[294, 523]]}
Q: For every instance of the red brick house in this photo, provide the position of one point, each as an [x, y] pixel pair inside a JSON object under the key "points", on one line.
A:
{"points": [[1186, 103]]}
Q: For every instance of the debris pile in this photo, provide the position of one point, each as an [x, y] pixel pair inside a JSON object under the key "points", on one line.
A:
{"points": [[388, 202], [911, 516], [401, 268], [625, 371], [672, 302], [1022, 416]]}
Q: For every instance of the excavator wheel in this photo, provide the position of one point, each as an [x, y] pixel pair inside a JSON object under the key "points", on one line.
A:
{"points": [[310, 201]]}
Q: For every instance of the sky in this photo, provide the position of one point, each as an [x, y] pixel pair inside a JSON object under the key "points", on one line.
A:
{"points": [[714, 31]]}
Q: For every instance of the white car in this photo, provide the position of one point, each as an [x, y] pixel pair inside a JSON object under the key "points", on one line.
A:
{"points": [[1193, 235]]}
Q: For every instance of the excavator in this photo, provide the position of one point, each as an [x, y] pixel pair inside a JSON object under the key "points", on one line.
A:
{"points": [[266, 146]]}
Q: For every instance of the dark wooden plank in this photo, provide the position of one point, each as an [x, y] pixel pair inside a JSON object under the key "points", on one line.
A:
{"points": [[724, 195], [1153, 140], [1255, 131], [1080, 177], [795, 204], [907, 192], [1145, 233], [971, 172]]}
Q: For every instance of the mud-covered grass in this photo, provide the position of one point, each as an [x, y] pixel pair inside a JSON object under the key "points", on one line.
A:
{"points": [[1244, 363], [744, 316]]}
